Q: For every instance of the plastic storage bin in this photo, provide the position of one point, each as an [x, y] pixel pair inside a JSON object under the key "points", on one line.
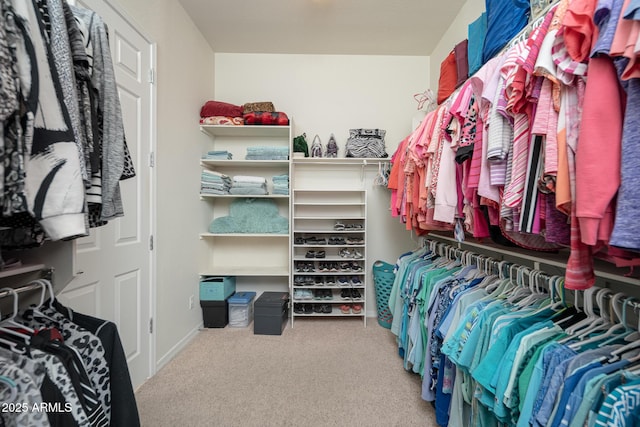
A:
{"points": [[271, 311], [215, 288], [215, 314], [241, 309]]}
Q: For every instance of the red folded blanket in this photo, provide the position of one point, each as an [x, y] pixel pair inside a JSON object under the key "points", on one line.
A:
{"points": [[266, 118], [218, 108]]}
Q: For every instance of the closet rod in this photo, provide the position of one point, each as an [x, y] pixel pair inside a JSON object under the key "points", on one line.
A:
{"points": [[361, 162], [47, 274]]}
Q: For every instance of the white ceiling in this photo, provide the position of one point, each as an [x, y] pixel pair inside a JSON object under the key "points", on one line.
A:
{"points": [[352, 27]]}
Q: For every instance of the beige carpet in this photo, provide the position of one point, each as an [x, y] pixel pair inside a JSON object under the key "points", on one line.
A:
{"points": [[322, 372]]}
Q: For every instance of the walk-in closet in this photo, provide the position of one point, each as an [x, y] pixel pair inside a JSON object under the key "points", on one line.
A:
{"points": [[319, 212]]}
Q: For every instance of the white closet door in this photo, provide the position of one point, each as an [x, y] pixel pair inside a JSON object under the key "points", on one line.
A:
{"points": [[116, 260]]}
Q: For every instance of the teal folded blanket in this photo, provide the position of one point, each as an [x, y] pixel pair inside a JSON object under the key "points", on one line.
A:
{"points": [[251, 216]]}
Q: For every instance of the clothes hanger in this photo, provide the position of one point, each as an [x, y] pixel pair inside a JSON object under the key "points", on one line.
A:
{"points": [[616, 329], [588, 309], [616, 354], [598, 323], [13, 388], [13, 346], [10, 321]]}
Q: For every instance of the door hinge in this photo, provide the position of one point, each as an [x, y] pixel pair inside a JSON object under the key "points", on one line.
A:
{"points": [[152, 159], [152, 76], [151, 325], [151, 242]]}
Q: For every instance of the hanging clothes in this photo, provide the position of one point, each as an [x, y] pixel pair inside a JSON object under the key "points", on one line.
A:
{"points": [[74, 361], [62, 129]]}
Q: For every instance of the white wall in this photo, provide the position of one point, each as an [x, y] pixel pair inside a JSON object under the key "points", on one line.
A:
{"points": [[185, 68], [457, 32], [327, 94]]}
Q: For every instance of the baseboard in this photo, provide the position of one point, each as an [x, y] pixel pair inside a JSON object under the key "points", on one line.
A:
{"points": [[173, 352]]}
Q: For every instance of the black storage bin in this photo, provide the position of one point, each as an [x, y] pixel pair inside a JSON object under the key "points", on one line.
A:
{"points": [[270, 313], [215, 314]]}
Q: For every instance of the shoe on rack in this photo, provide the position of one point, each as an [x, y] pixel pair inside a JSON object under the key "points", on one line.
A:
{"points": [[326, 308], [342, 281], [329, 280], [345, 294], [338, 226], [310, 268], [355, 281], [317, 308], [310, 254], [345, 266], [299, 241], [356, 254], [298, 281], [328, 295], [297, 308], [345, 253], [356, 308], [318, 281], [356, 267], [298, 294], [307, 308], [345, 308], [321, 241], [320, 254], [333, 267], [354, 241], [355, 294]]}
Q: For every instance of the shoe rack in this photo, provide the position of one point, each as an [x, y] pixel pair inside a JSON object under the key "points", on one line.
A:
{"points": [[328, 253]]}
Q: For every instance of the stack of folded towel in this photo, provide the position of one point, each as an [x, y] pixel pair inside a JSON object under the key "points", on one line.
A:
{"points": [[218, 155], [214, 183], [267, 153], [280, 184], [248, 185]]}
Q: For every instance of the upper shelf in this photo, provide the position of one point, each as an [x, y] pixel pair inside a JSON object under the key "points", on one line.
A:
{"points": [[248, 130]]}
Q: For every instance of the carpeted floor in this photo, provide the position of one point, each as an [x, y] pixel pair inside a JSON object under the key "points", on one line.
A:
{"points": [[322, 372]]}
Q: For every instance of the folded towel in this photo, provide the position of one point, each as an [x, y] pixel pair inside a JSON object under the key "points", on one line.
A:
{"points": [[245, 178], [254, 191]]}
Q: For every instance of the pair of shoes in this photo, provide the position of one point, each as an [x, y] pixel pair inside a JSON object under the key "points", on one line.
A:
{"points": [[346, 253], [302, 294], [343, 281], [298, 281], [356, 309], [322, 308], [355, 294], [315, 254], [323, 294], [355, 281], [345, 308], [353, 226], [356, 267], [299, 241], [345, 294], [336, 241], [345, 266], [338, 226], [354, 241], [329, 281], [315, 241], [305, 267]]}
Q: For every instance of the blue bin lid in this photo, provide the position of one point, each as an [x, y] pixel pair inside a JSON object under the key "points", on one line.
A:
{"points": [[241, 297]]}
